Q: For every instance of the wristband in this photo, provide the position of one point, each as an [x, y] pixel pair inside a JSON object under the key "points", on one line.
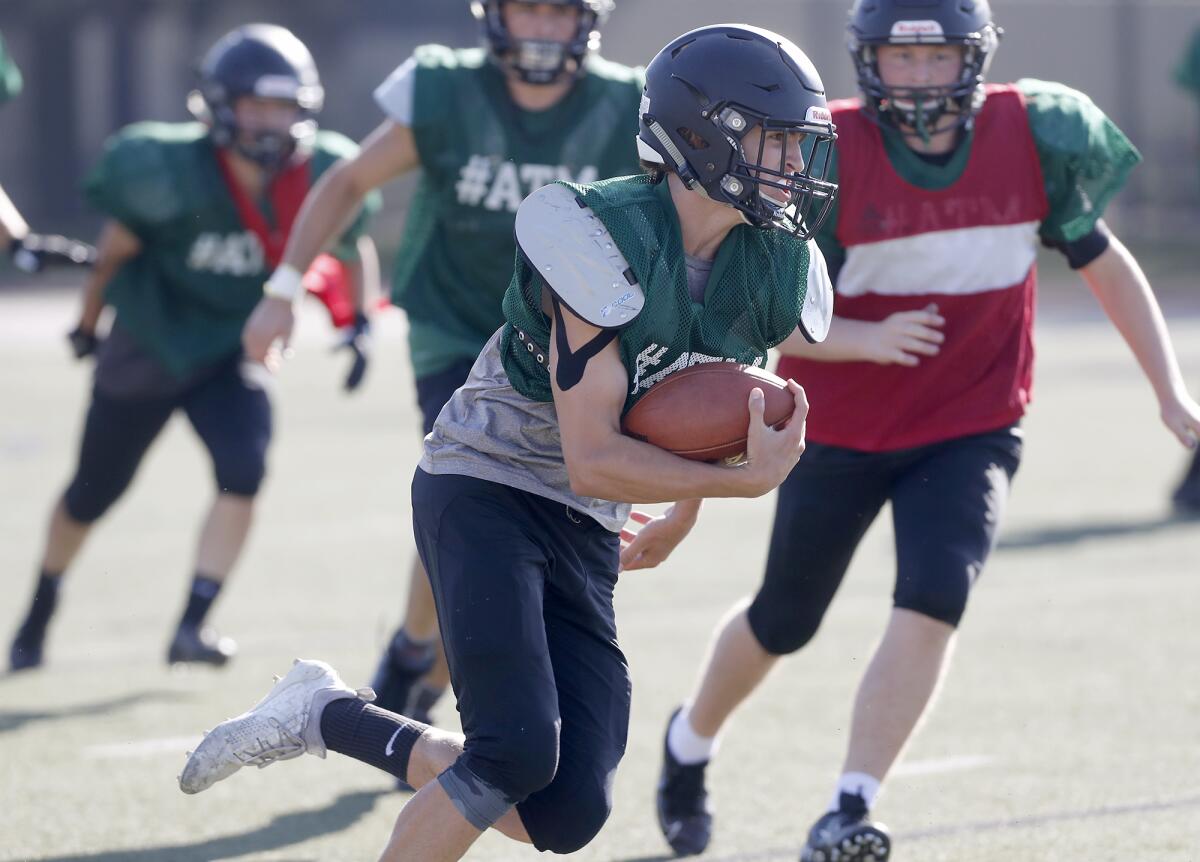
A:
{"points": [[285, 282]]}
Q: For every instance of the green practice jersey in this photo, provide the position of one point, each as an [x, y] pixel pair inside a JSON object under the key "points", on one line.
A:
{"points": [[1187, 73], [1084, 157], [480, 156], [186, 295], [752, 301], [10, 76]]}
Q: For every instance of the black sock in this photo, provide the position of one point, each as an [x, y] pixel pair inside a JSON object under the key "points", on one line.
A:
{"points": [[200, 599], [45, 597], [425, 697], [383, 739], [412, 655]]}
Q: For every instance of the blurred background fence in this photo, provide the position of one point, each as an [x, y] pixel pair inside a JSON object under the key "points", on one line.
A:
{"points": [[91, 67]]}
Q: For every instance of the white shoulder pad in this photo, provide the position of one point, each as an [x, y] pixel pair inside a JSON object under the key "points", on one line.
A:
{"points": [[817, 313], [576, 255]]}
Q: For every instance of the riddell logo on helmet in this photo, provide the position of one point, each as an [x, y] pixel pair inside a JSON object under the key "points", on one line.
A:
{"points": [[817, 114], [916, 29]]}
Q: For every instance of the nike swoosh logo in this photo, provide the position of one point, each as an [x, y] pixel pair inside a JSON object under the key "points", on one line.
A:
{"points": [[389, 748]]}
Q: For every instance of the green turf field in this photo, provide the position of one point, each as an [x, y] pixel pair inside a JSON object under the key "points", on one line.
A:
{"points": [[1068, 729]]}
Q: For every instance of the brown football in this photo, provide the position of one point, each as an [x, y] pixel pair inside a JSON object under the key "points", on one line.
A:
{"points": [[701, 412]]}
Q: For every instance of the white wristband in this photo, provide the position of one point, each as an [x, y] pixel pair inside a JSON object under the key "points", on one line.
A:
{"points": [[286, 282]]}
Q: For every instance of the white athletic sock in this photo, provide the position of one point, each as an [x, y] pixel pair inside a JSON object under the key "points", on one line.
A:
{"points": [[856, 784], [687, 746]]}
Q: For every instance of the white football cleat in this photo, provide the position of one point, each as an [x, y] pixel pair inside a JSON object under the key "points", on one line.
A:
{"points": [[278, 727]]}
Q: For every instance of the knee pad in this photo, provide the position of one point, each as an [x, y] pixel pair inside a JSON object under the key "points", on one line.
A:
{"points": [[516, 761], [780, 627], [241, 474], [581, 817]]}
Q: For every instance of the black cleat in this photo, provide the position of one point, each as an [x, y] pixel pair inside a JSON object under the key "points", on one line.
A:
{"points": [[26, 650], [847, 835], [193, 645], [683, 813], [1187, 496]]}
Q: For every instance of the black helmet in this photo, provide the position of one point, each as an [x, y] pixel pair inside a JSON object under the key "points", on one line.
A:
{"points": [[537, 61], [262, 60], [707, 89], [922, 22]]}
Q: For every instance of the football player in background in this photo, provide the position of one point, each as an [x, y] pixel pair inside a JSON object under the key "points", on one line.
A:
{"points": [[197, 217], [618, 283], [946, 187], [1187, 74], [485, 127]]}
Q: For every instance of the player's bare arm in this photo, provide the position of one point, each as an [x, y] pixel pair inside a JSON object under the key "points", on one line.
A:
{"points": [[12, 225], [116, 245], [604, 463], [1125, 294], [386, 153], [901, 339]]}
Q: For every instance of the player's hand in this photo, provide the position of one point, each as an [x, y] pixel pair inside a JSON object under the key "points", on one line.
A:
{"points": [[771, 454], [1181, 414], [33, 252], [356, 338], [656, 538], [269, 326], [83, 341], [904, 337]]}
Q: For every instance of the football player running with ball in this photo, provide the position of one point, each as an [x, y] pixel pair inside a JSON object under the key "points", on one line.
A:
{"points": [[485, 127], [526, 480], [947, 184], [198, 214]]}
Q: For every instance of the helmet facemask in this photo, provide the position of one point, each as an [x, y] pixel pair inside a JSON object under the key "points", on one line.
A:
{"points": [[769, 191], [917, 111], [542, 61]]}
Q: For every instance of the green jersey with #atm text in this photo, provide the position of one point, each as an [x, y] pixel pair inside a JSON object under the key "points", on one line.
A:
{"points": [[480, 156]]}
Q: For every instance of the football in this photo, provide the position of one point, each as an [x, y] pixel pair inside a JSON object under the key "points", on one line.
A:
{"points": [[701, 412]]}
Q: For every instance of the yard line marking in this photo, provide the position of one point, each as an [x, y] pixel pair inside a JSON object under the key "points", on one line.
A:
{"points": [[141, 748], [943, 764]]}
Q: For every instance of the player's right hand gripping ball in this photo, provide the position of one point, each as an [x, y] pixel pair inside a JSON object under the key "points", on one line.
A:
{"points": [[702, 413]]}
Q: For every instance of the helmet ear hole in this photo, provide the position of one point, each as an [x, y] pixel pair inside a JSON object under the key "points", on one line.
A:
{"points": [[692, 139]]}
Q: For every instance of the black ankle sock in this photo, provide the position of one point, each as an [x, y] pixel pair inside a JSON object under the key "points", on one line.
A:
{"points": [[425, 697], [204, 592], [45, 597], [411, 654], [383, 739]]}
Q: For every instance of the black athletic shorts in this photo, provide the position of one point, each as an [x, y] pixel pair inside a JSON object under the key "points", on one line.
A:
{"points": [[226, 405], [524, 594], [947, 500]]}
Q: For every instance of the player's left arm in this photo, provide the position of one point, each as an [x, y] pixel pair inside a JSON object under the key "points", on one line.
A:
{"points": [[1125, 294]]}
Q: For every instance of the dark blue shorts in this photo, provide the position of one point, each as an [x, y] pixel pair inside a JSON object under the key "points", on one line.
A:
{"points": [[524, 591], [229, 412], [947, 500], [434, 390]]}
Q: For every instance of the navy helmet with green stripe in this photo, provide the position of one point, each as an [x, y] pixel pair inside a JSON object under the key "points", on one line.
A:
{"points": [[922, 22], [540, 61]]}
